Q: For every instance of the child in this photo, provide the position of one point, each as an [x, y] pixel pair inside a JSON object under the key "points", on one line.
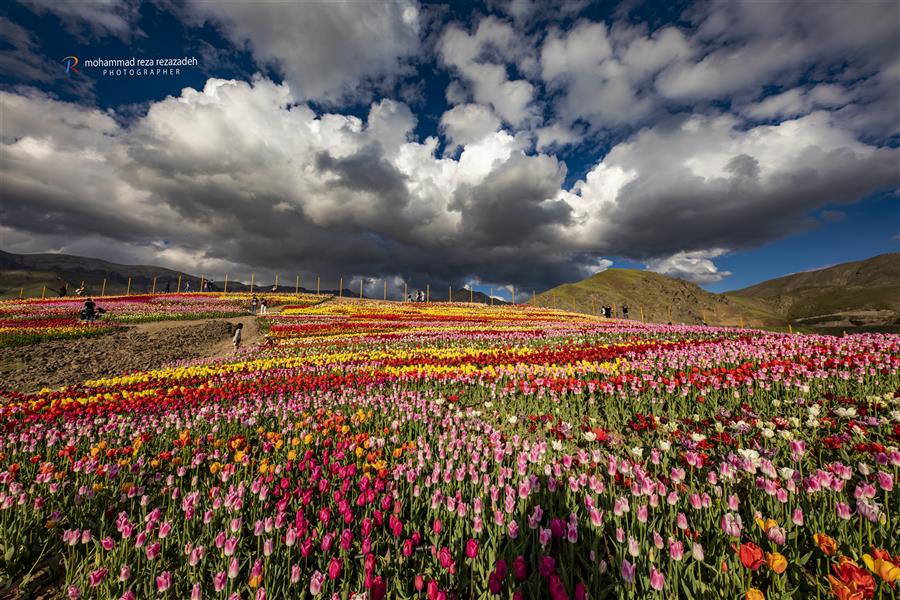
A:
{"points": [[237, 336]]}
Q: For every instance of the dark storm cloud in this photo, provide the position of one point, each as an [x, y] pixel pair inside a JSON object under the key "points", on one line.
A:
{"points": [[244, 176]]}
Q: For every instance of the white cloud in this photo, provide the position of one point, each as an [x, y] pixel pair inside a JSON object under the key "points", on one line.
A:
{"points": [[799, 101], [694, 266], [467, 123], [96, 17], [701, 181], [328, 51], [481, 59]]}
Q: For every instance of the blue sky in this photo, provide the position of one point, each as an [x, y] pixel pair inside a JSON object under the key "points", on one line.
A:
{"points": [[492, 144]]}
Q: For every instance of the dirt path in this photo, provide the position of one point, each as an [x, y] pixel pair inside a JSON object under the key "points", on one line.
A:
{"points": [[142, 346]]}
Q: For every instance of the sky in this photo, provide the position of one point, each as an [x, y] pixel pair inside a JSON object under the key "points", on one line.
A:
{"points": [[492, 144]]}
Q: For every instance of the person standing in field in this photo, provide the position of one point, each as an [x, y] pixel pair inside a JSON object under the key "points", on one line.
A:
{"points": [[264, 307], [254, 304], [168, 286], [236, 340], [624, 311]]}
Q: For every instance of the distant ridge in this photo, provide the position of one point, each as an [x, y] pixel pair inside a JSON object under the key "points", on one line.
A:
{"points": [[859, 295], [29, 273], [32, 272]]}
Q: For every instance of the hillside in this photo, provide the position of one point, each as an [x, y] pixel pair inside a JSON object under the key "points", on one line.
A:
{"points": [[859, 294], [662, 299]]}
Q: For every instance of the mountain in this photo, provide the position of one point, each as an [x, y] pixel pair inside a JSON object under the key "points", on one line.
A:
{"points": [[659, 298], [27, 274], [863, 294]]}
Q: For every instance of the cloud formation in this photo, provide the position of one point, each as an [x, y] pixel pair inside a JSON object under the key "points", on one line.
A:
{"points": [[239, 176]]}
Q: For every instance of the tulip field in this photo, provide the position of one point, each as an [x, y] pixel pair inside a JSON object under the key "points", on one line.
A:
{"points": [[410, 450], [29, 321]]}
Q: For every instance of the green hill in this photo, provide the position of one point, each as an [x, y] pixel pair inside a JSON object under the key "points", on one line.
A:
{"points": [[659, 298], [862, 294]]}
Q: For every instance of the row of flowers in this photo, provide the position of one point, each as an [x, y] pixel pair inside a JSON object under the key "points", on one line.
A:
{"points": [[406, 450], [29, 321]]}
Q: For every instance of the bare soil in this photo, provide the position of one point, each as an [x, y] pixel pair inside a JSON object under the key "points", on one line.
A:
{"points": [[58, 363]]}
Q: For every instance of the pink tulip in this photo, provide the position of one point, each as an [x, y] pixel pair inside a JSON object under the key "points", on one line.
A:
{"points": [[316, 582], [219, 580], [163, 581], [657, 581], [472, 548], [334, 568], [96, 577]]}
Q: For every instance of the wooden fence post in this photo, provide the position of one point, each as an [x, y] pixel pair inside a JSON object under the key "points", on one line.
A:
{"points": [[742, 321], [153, 291], [492, 296], [226, 283], [405, 291], [103, 289], [202, 281], [44, 292], [360, 288], [297, 285], [341, 287], [128, 290], [513, 294], [450, 294], [427, 292], [470, 295], [276, 282], [642, 314], [385, 290], [21, 292], [318, 282]]}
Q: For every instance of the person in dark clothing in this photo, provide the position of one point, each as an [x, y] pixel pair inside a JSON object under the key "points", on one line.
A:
{"points": [[90, 310], [624, 311], [168, 286], [63, 290]]}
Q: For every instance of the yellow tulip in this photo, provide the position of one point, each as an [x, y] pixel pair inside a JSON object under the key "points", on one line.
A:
{"points": [[883, 568]]}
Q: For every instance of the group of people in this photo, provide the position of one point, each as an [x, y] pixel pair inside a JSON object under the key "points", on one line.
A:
{"points": [[607, 311], [64, 288], [259, 306], [420, 297]]}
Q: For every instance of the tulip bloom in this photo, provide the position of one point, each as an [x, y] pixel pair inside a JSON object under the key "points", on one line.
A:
{"points": [[825, 543], [472, 548], [657, 581], [751, 556], [777, 562], [315, 582], [334, 568]]}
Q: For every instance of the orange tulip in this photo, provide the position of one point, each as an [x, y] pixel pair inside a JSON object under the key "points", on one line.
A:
{"points": [[754, 594], [777, 562], [825, 543], [850, 581], [883, 567]]}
